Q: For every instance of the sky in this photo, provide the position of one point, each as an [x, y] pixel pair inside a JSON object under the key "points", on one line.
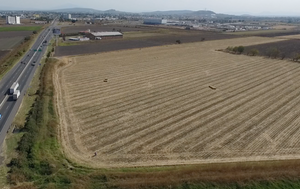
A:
{"points": [[255, 7]]}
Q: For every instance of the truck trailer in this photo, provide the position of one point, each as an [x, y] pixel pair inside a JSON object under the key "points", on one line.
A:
{"points": [[14, 87], [16, 94]]}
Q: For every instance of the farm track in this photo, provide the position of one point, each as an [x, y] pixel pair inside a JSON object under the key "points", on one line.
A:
{"points": [[157, 110]]}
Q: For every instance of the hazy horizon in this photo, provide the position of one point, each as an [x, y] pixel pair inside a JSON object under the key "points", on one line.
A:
{"points": [[254, 7]]}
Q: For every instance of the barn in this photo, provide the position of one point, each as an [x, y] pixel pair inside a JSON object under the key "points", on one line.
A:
{"points": [[104, 35], [154, 21]]}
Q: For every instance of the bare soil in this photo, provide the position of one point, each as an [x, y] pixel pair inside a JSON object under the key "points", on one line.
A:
{"points": [[123, 28], [10, 42], [155, 106], [15, 34], [288, 48], [141, 42]]}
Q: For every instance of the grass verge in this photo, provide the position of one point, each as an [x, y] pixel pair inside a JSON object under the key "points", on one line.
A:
{"points": [[20, 28]]}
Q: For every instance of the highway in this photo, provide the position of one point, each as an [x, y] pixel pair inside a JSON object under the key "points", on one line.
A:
{"points": [[22, 73]]}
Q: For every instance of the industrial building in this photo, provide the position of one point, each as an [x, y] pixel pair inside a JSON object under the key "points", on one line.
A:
{"points": [[67, 16], [104, 35], [154, 21], [13, 20]]}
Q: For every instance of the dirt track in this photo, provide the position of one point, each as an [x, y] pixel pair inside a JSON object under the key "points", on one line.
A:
{"points": [[156, 107]]}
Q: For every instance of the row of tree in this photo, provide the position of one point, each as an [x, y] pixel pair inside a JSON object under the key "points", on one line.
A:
{"points": [[272, 52], [241, 49], [237, 49]]}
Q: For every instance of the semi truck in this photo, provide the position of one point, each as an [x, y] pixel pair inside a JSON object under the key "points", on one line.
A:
{"points": [[14, 87], [16, 94]]}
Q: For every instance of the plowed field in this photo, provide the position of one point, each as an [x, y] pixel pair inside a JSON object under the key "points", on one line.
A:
{"points": [[156, 107]]}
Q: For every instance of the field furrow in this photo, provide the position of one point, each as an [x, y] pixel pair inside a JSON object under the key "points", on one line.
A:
{"points": [[157, 107]]}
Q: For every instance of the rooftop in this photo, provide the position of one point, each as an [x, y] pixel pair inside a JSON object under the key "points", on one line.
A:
{"points": [[101, 34]]}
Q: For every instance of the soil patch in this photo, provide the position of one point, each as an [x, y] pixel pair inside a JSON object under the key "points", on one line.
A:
{"points": [[113, 45], [288, 48]]}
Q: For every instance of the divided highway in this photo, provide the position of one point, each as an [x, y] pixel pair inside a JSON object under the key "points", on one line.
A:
{"points": [[22, 73]]}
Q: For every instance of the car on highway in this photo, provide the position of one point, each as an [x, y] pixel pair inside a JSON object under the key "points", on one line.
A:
{"points": [[32, 64], [0, 116]]}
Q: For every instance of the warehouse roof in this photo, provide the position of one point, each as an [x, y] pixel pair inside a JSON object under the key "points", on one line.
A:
{"points": [[103, 34]]}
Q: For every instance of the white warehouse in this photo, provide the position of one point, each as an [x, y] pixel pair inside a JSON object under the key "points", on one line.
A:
{"points": [[13, 20], [154, 21]]}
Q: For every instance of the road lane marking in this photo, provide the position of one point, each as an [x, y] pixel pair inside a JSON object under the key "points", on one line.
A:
{"points": [[30, 59], [4, 100]]}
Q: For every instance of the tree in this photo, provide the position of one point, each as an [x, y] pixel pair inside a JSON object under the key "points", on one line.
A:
{"points": [[49, 54], [235, 49], [52, 49], [34, 32], [273, 52], [229, 48], [240, 49], [254, 52], [27, 38], [296, 57]]}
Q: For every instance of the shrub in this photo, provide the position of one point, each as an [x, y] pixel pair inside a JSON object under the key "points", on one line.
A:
{"points": [[235, 49], [254, 52], [240, 49], [229, 48], [27, 38], [178, 41], [273, 52]]}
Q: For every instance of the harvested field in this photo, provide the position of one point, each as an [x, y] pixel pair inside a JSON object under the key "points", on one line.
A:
{"points": [[290, 37], [288, 48], [267, 33], [6, 34], [10, 43], [113, 45], [156, 107], [76, 29]]}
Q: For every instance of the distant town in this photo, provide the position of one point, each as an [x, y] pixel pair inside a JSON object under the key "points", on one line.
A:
{"points": [[195, 20]]}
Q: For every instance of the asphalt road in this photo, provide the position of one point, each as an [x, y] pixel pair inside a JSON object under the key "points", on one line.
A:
{"points": [[22, 73]]}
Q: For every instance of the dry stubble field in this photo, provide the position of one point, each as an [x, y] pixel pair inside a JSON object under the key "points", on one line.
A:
{"points": [[157, 107]]}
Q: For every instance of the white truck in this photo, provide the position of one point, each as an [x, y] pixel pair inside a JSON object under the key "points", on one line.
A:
{"points": [[14, 87], [16, 94]]}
